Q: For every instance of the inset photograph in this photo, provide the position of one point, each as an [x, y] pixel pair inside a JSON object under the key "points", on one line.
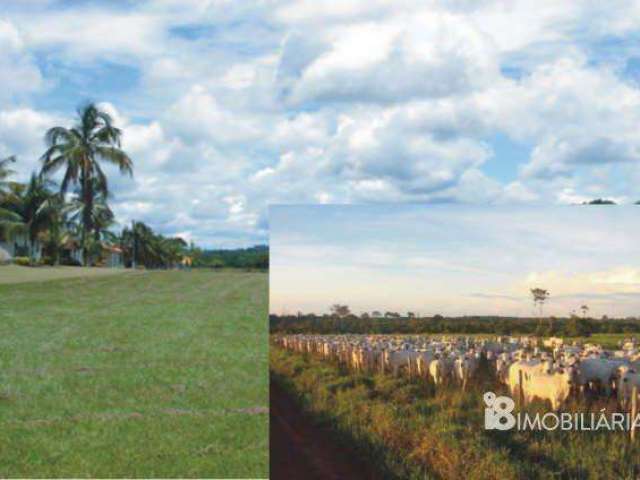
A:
{"points": [[452, 341], [126, 351]]}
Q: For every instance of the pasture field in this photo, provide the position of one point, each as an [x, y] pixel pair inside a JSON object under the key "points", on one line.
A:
{"points": [[409, 430], [159, 374], [12, 274], [606, 340]]}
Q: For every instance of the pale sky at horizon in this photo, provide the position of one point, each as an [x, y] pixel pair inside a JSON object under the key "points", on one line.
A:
{"points": [[455, 259]]}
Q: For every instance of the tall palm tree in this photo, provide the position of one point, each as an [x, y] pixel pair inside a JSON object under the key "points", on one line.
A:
{"points": [[81, 151], [102, 217]]}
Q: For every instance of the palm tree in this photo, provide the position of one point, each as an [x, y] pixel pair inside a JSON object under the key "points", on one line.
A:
{"points": [[81, 150], [142, 246], [5, 172], [25, 203], [584, 309], [6, 215], [55, 209], [102, 218]]}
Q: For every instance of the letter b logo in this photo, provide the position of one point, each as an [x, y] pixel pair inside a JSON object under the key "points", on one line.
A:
{"points": [[498, 415]]}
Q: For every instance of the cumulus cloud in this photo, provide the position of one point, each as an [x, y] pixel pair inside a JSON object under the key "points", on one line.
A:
{"points": [[428, 55], [19, 73], [227, 107], [22, 132]]}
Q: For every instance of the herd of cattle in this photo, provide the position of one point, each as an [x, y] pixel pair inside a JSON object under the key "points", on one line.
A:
{"points": [[547, 370]]}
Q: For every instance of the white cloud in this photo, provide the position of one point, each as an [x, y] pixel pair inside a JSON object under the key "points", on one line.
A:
{"points": [[323, 101], [22, 133], [19, 74], [426, 55]]}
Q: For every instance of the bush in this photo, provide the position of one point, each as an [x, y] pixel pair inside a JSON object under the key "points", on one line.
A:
{"points": [[72, 262], [22, 261], [46, 261]]}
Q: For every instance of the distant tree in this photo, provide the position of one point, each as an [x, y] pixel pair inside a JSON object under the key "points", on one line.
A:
{"points": [[578, 327], [552, 328], [411, 315], [340, 311], [539, 295], [365, 316], [376, 314], [600, 201], [584, 309]]}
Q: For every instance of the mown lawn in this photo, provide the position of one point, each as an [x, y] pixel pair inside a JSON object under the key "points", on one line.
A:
{"points": [[14, 274], [162, 374]]}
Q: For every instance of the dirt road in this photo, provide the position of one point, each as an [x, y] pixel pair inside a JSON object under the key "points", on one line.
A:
{"points": [[300, 450]]}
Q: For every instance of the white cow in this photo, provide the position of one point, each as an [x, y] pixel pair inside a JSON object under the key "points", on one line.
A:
{"points": [[627, 379], [464, 368], [502, 368], [554, 386], [528, 367], [440, 370], [598, 372], [423, 361], [397, 359]]}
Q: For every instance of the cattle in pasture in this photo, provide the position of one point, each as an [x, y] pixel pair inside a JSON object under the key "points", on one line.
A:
{"points": [[456, 360]]}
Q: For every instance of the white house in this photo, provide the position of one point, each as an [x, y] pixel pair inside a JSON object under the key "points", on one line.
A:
{"points": [[18, 245], [112, 256]]}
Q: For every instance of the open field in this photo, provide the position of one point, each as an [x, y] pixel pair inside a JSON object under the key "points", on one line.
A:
{"points": [[407, 428], [606, 340], [12, 274], [155, 375]]}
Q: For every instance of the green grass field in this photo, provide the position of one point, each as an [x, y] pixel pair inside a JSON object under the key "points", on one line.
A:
{"points": [[12, 274], [162, 374], [407, 429]]}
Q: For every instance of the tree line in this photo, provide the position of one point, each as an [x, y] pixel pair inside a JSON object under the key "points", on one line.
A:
{"points": [[393, 322], [256, 257]]}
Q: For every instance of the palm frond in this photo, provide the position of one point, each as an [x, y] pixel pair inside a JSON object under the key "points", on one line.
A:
{"points": [[117, 157]]}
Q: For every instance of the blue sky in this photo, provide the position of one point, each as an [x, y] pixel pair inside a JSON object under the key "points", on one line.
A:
{"points": [[230, 106], [455, 259]]}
